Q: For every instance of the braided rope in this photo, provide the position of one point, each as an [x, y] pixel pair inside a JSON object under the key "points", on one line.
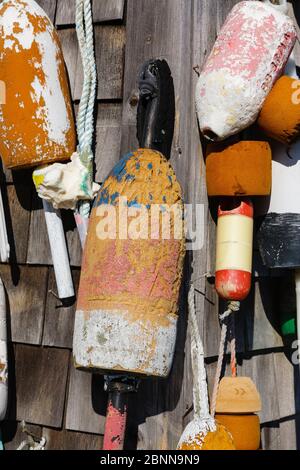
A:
{"points": [[232, 307], [200, 393], [85, 119]]}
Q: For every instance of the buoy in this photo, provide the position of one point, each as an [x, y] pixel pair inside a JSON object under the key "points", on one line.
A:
{"points": [[3, 358], [36, 120], [237, 402], [241, 169], [248, 57], [126, 320], [202, 433], [280, 115], [234, 249]]}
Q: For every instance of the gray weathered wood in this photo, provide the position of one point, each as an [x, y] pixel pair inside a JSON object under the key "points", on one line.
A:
{"points": [[59, 320], [86, 407], [108, 139], [41, 377], [103, 10], [26, 293], [38, 242], [109, 51], [66, 440], [49, 6], [13, 436], [69, 44]]}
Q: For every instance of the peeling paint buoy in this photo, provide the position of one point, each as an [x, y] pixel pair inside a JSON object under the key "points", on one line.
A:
{"points": [[248, 57]]}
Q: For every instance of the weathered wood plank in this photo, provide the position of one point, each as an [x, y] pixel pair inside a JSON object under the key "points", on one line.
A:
{"points": [[26, 291], [17, 219], [69, 45], [67, 440], [108, 138], [103, 10], [49, 6], [59, 320], [41, 377], [86, 405], [109, 50], [38, 242]]}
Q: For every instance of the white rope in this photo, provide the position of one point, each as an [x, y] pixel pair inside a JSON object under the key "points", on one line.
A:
{"points": [[85, 120], [32, 442], [200, 394]]}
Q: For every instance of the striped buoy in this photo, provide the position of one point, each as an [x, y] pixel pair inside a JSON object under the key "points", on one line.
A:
{"points": [[234, 250]]}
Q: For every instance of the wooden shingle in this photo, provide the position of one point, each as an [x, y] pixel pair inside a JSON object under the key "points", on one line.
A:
{"points": [[103, 10]]}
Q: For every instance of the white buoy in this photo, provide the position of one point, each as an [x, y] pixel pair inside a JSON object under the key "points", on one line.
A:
{"points": [[4, 245]]}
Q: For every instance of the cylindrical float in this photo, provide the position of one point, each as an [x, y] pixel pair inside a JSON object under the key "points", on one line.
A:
{"points": [[280, 115], [132, 267], [36, 121], [234, 249], [241, 169], [237, 402], [248, 57]]}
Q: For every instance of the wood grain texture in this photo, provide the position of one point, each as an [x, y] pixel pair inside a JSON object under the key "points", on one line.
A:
{"points": [[41, 377], [87, 401], [109, 51], [38, 242], [108, 138], [103, 10], [26, 294], [59, 320], [49, 6], [66, 440], [69, 43]]}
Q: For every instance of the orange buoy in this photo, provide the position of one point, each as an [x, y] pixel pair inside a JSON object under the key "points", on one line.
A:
{"points": [[36, 120], [237, 402], [234, 250], [220, 439], [280, 115], [242, 169]]}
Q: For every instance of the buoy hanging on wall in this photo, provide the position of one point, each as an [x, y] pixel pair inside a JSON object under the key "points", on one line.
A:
{"points": [[242, 169], [238, 401], [127, 303], [248, 57], [36, 120], [280, 115], [234, 249]]}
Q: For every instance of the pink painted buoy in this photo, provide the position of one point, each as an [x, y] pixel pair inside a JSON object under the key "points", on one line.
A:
{"points": [[248, 57]]}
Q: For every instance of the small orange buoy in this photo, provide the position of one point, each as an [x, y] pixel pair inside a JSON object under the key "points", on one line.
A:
{"points": [[280, 115], [237, 402], [234, 251], [242, 169]]}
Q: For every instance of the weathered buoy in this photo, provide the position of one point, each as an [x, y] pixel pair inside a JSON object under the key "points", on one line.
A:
{"points": [[36, 121], [280, 115], [242, 169], [220, 439], [126, 319], [3, 359], [234, 249], [237, 402], [248, 57]]}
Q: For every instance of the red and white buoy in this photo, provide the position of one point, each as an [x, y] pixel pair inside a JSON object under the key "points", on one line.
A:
{"points": [[234, 250]]}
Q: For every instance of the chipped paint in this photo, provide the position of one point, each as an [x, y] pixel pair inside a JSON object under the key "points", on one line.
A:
{"points": [[248, 57], [115, 427], [36, 123], [206, 434], [129, 288]]}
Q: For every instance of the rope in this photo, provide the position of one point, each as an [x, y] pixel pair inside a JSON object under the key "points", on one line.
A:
{"points": [[200, 394], [232, 307], [85, 120], [32, 442]]}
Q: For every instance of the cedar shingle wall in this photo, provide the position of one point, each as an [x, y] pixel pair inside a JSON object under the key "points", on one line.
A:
{"points": [[68, 406]]}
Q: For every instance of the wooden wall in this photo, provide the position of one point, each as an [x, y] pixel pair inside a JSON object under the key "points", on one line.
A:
{"points": [[67, 406]]}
